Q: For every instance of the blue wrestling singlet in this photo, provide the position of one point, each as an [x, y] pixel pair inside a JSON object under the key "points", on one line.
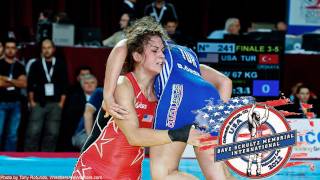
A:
{"points": [[180, 89]]}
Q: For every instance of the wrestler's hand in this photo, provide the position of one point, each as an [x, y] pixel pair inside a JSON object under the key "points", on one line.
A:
{"points": [[113, 109]]}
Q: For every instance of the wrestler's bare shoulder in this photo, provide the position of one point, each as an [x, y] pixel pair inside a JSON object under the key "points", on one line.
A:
{"points": [[124, 87]]}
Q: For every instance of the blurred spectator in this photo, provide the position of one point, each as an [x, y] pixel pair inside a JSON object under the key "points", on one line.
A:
{"points": [[44, 26], [161, 11], [12, 78], [74, 108], [83, 71], [281, 26], [86, 123], [118, 36], [69, 113], [232, 26], [47, 85], [80, 72], [129, 7], [175, 35], [294, 91], [1, 50], [303, 96]]}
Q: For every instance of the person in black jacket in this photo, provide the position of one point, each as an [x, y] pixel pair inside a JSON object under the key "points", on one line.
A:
{"points": [[161, 11], [47, 86]]}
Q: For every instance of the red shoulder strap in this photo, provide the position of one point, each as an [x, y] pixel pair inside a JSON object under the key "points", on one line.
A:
{"points": [[134, 83]]}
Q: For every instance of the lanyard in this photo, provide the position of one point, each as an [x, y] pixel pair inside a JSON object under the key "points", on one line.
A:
{"points": [[158, 18], [11, 70], [48, 73]]}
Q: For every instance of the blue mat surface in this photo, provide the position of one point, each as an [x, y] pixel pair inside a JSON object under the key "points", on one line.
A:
{"points": [[34, 166]]}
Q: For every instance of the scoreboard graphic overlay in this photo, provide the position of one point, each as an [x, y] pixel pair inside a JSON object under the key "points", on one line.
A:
{"points": [[253, 67]]}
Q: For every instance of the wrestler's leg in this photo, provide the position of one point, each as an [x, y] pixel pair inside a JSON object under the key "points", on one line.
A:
{"points": [[212, 170], [180, 175], [164, 161]]}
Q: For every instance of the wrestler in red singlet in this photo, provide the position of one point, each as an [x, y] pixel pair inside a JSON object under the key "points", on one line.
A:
{"points": [[110, 156]]}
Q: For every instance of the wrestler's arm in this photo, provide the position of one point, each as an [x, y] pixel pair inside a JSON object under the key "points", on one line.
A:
{"points": [[219, 80], [114, 65], [136, 136]]}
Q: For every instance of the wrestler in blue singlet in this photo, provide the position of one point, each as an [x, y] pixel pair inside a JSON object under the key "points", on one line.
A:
{"points": [[180, 89]]}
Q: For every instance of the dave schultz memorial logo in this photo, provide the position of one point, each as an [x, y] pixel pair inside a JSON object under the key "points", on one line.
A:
{"points": [[255, 141]]}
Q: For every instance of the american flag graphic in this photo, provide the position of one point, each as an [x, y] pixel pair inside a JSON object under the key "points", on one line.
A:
{"points": [[209, 118], [209, 57], [147, 118]]}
